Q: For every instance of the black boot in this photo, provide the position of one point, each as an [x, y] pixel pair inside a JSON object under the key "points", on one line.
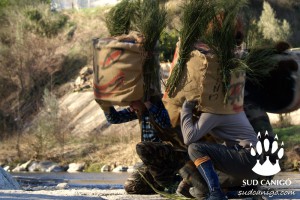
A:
{"points": [[206, 169], [135, 183], [192, 177]]}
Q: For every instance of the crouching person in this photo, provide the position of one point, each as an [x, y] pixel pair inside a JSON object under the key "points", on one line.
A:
{"points": [[153, 118], [232, 158]]}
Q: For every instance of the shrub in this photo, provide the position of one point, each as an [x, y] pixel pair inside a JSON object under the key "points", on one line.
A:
{"points": [[167, 42], [272, 28], [44, 22], [29, 61], [49, 128]]}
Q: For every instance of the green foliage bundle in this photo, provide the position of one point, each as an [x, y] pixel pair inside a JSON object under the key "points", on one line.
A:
{"points": [[196, 16], [260, 63], [221, 39], [215, 24], [150, 20], [118, 19]]}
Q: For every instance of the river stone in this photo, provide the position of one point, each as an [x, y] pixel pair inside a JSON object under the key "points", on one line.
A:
{"points": [[56, 168], [7, 182], [6, 168], [131, 169], [120, 168], [23, 167], [62, 186], [34, 167], [105, 168], [43, 166], [76, 167]]}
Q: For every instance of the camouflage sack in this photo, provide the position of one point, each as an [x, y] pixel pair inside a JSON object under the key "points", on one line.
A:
{"points": [[201, 81], [118, 71]]}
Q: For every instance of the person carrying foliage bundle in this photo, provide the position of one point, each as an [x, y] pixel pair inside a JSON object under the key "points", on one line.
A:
{"points": [[255, 110], [151, 114], [126, 73], [209, 78]]}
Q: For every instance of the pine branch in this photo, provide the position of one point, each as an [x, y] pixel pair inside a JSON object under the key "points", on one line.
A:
{"points": [[260, 62], [118, 19], [196, 16], [150, 20], [221, 38]]}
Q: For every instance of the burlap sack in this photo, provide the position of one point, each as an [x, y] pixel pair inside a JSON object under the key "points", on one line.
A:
{"points": [[201, 81], [118, 72]]}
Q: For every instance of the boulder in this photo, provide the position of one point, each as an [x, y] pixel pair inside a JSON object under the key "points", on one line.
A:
{"points": [[23, 167], [62, 186], [131, 169], [105, 168], [46, 165], [57, 168], [76, 167], [34, 167], [120, 168], [6, 168], [7, 182], [43, 166], [86, 71]]}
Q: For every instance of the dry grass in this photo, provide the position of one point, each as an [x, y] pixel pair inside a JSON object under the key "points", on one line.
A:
{"points": [[111, 150]]}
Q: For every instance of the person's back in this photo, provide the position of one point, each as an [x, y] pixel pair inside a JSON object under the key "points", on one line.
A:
{"points": [[232, 128]]}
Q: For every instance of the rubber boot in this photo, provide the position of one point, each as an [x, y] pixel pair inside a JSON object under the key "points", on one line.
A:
{"points": [[206, 169]]}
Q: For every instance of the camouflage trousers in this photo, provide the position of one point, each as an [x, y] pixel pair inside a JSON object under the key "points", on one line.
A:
{"points": [[141, 182], [159, 171], [162, 160]]}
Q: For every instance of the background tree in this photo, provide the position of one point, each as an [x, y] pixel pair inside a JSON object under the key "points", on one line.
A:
{"points": [[271, 27]]}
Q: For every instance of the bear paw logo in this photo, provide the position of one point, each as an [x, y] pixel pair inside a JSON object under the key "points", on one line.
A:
{"points": [[264, 147]]}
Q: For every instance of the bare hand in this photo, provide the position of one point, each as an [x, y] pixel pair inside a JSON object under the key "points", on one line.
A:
{"points": [[138, 106]]}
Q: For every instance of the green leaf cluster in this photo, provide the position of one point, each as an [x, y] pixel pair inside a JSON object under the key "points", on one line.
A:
{"points": [[215, 24]]}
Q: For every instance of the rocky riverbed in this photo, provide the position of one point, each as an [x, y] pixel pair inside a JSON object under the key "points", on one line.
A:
{"points": [[109, 186]]}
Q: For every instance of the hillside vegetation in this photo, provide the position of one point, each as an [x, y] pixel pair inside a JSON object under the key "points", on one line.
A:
{"points": [[41, 54]]}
